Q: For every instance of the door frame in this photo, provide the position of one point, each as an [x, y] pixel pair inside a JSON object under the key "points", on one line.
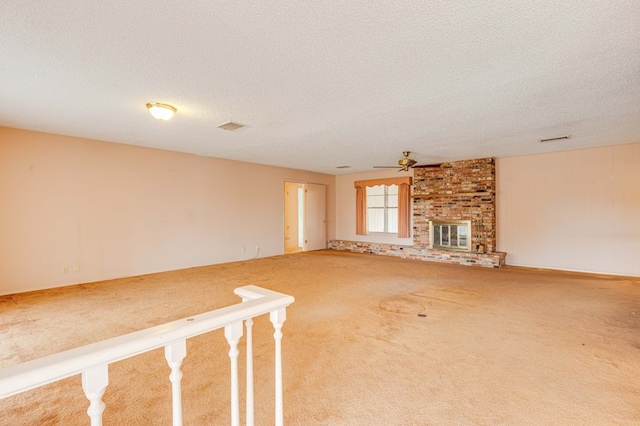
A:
{"points": [[305, 227]]}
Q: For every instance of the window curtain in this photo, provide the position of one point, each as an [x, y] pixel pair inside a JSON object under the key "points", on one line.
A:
{"points": [[361, 210], [404, 204], [404, 210]]}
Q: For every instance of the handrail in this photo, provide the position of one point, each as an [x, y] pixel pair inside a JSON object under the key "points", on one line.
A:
{"points": [[38, 372]]}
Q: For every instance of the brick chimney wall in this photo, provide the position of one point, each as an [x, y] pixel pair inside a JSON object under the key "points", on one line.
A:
{"points": [[462, 190], [474, 181]]}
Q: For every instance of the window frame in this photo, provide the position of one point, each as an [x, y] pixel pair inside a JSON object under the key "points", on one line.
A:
{"points": [[385, 209]]}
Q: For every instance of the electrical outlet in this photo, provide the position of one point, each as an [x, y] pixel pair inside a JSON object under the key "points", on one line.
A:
{"points": [[76, 268], [257, 248], [244, 248], [65, 269]]}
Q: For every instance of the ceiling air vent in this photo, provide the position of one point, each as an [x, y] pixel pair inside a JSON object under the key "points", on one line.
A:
{"points": [[231, 126], [559, 138]]}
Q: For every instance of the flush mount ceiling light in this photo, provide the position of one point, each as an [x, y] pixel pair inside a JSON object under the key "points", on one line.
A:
{"points": [[161, 111]]}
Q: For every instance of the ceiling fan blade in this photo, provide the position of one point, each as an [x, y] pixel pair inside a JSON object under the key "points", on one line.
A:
{"points": [[427, 166]]}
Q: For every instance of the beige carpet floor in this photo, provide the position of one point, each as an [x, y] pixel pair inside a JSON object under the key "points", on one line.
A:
{"points": [[509, 346]]}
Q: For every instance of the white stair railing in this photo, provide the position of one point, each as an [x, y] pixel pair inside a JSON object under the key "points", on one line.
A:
{"points": [[92, 360]]}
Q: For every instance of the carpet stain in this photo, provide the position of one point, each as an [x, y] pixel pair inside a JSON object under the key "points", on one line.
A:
{"points": [[428, 296], [454, 291], [440, 299], [401, 305]]}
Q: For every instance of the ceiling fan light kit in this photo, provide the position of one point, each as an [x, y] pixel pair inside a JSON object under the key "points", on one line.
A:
{"points": [[404, 164]]}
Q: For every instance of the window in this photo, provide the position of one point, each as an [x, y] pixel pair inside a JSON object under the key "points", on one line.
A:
{"points": [[382, 208], [390, 208]]}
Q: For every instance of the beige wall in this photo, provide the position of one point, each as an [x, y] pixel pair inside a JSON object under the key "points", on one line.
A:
{"points": [[116, 210], [574, 210], [346, 208]]}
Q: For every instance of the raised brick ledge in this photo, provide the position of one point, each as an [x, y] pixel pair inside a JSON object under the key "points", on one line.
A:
{"points": [[487, 260]]}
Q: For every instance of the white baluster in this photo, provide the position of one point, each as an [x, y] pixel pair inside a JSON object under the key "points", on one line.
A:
{"points": [[233, 333], [174, 353], [94, 382], [250, 416], [278, 317]]}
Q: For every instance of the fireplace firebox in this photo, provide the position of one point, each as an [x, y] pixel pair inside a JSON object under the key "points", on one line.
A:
{"points": [[450, 235]]}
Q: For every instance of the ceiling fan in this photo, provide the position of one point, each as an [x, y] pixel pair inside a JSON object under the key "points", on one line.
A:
{"points": [[404, 164]]}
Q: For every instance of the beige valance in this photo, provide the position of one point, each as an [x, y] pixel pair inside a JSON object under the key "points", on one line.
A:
{"points": [[406, 180]]}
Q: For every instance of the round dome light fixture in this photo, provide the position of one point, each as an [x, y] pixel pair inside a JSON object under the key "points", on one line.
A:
{"points": [[161, 111]]}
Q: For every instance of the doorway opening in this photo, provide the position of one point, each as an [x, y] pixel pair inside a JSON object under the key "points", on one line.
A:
{"points": [[304, 217]]}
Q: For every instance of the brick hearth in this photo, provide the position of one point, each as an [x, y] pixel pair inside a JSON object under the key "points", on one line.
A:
{"points": [[489, 260]]}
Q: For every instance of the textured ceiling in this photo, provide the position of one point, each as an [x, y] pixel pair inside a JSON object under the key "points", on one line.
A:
{"points": [[326, 84]]}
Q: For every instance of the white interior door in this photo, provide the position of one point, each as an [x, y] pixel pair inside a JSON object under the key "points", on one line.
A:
{"points": [[293, 234], [315, 214]]}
